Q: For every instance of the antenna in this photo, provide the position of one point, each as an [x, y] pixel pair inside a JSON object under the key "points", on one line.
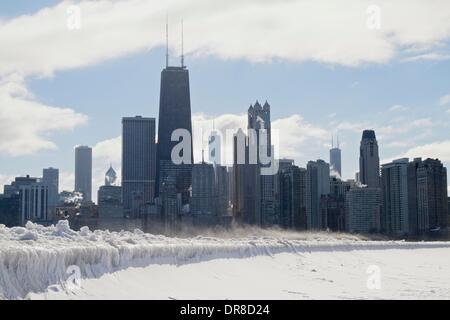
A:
{"points": [[338, 142], [182, 43], [167, 41], [332, 142]]}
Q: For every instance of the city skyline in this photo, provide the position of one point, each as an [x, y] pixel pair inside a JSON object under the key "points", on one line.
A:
{"points": [[193, 150], [404, 98]]}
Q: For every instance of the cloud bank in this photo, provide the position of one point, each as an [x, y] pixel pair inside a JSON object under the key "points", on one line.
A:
{"points": [[295, 30], [26, 125]]}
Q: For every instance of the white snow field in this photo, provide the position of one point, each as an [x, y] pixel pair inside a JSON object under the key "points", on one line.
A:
{"points": [[34, 262]]}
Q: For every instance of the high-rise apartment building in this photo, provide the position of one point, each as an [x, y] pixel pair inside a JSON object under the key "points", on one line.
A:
{"points": [[363, 209], [138, 163], [369, 160], [204, 197], [83, 172], [317, 188], [394, 182]]}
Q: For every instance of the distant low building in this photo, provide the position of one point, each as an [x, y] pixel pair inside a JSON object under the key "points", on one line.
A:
{"points": [[33, 195]]}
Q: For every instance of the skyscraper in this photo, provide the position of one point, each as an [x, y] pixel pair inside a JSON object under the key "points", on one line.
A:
{"points": [[259, 120], [50, 177], [432, 195], [138, 163], [83, 172], [369, 160], [336, 214], [363, 206], [394, 178], [292, 197], [222, 188], [204, 197], [317, 188], [246, 181], [175, 114], [335, 159]]}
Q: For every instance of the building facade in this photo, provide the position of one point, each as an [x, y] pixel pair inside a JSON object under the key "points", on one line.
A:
{"points": [[83, 172], [138, 164], [204, 197], [246, 181], [369, 160], [174, 118], [395, 215], [363, 209], [317, 187], [50, 177]]}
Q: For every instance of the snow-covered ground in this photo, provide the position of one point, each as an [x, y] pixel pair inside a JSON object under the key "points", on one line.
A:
{"points": [[35, 261]]}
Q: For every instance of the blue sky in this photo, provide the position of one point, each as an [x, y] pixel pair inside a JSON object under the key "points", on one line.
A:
{"points": [[402, 97]]}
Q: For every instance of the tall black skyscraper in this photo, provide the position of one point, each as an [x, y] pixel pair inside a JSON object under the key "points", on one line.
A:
{"points": [[174, 113], [369, 160]]}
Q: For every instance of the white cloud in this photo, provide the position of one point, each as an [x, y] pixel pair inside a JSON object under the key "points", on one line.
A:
{"points": [[203, 124], [108, 150], [356, 127], [444, 100], [428, 57], [41, 43], [433, 150], [298, 138], [5, 179], [66, 181], [398, 108], [394, 130], [26, 125]]}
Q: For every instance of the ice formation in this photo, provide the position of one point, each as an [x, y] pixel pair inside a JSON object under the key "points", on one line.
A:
{"points": [[34, 257]]}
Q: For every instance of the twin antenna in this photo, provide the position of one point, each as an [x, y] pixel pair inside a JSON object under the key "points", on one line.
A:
{"points": [[167, 43], [332, 142]]}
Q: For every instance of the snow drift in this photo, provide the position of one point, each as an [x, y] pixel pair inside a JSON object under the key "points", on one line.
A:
{"points": [[36, 257]]}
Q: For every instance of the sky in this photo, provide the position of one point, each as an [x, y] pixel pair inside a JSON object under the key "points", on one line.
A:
{"points": [[70, 70]]}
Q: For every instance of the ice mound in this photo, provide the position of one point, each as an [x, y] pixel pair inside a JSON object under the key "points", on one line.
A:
{"points": [[35, 257]]}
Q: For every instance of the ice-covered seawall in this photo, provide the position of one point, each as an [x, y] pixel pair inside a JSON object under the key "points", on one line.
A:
{"points": [[36, 257]]}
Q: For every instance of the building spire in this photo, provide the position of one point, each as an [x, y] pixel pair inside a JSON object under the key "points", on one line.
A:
{"points": [[182, 43], [167, 40]]}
